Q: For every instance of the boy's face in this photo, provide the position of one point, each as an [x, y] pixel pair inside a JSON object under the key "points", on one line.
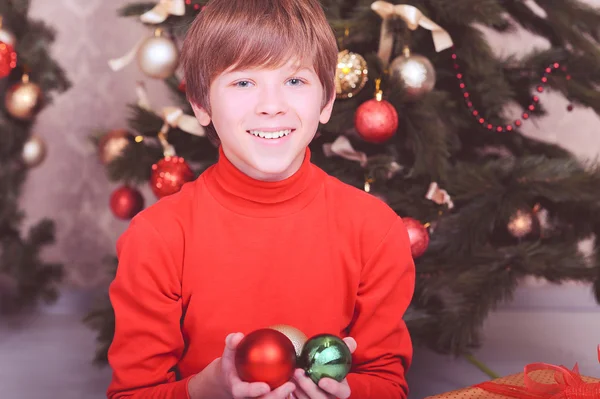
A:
{"points": [[265, 118]]}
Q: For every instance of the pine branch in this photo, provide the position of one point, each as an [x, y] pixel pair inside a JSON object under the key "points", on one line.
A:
{"points": [[26, 278], [563, 180], [136, 9], [453, 295], [146, 122], [19, 6], [427, 137], [466, 12], [570, 23], [134, 166], [530, 21], [42, 233]]}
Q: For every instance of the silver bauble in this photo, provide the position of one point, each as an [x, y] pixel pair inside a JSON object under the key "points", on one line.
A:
{"points": [[415, 73], [34, 151], [7, 37], [158, 57]]}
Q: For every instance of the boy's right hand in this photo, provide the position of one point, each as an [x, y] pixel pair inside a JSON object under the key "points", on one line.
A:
{"points": [[240, 389]]}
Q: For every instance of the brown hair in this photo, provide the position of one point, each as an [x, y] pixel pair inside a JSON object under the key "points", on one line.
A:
{"points": [[243, 34]]}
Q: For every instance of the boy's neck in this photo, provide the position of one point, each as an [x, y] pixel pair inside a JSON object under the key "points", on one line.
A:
{"points": [[246, 195]]}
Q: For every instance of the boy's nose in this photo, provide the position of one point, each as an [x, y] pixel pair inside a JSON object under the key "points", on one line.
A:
{"points": [[271, 102]]}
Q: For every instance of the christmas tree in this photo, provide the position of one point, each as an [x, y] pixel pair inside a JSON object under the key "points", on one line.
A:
{"points": [[29, 77], [423, 121]]}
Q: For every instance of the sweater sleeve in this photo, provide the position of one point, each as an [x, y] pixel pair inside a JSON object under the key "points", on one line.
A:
{"points": [[384, 350], [146, 298]]}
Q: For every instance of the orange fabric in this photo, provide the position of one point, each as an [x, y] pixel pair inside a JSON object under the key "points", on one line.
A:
{"points": [[228, 253]]}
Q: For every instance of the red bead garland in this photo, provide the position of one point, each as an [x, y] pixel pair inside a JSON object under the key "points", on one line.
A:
{"points": [[519, 122], [196, 6]]}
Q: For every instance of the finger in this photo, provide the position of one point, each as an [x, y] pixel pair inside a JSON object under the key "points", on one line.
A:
{"points": [[308, 386], [231, 343], [299, 394], [232, 340], [340, 390], [240, 389], [228, 359], [351, 342], [282, 392]]}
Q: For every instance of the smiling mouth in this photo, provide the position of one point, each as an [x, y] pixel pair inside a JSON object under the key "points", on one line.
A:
{"points": [[271, 135]]}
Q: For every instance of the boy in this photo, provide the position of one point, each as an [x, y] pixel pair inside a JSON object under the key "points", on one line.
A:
{"points": [[263, 237]]}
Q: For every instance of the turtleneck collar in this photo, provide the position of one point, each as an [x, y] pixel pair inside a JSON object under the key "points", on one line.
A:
{"points": [[251, 197]]}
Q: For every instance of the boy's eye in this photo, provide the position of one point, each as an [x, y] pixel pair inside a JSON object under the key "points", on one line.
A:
{"points": [[243, 83], [295, 81]]}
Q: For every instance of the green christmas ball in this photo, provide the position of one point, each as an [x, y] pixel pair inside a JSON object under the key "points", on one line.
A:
{"points": [[325, 356]]}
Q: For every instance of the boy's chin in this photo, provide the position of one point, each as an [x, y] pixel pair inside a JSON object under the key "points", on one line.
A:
{"points": [[276, 169]]}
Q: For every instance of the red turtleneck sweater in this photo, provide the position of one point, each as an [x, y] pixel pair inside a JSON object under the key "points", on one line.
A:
{"points": [[232, 254]]}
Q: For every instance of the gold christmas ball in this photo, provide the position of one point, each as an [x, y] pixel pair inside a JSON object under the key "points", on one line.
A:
{"points": [[23, 99], [112, 145], [414, 73], [351, 74], [297, 337], [34, 151], [523, 223], [158, 57]]}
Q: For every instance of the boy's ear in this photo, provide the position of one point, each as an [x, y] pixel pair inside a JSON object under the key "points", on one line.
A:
{"points": [[327, 109], [201, 115]]}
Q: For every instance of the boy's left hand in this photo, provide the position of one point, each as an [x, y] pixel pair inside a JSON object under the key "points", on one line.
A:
{"points": [[328, 388]]}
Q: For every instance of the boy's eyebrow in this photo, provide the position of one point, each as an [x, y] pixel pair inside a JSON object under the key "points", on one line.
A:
{"points": [[302, 68]]}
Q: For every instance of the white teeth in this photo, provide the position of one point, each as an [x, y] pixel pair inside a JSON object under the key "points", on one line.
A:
{"points": [[270, 135]]}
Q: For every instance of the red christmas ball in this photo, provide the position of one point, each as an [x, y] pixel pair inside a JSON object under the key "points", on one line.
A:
{"points": [[8, 59], [418, 236], [376, 121], [126, 202], [169, 175], [266, 355], [182, 86]]}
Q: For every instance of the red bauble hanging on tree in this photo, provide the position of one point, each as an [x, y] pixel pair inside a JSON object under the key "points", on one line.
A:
{"points": [[265, 355], [8, 59], [376, 120], [182, 86], [169, 175], [126, 202], [418, 236]]}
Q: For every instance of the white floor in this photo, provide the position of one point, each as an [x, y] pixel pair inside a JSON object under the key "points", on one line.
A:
{"points": [[48, 355]]}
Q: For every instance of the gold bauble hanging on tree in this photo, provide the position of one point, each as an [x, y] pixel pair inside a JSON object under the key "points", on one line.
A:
{"points": [[524, 223], [112, 145], [22, 100], [158, 56], [351, 74]]}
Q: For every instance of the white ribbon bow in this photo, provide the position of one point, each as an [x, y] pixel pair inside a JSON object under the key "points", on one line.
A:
{"points": [[413, 18], [342, 148], [162, 10], [173, 117], [439, 195], [117, 64]]}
